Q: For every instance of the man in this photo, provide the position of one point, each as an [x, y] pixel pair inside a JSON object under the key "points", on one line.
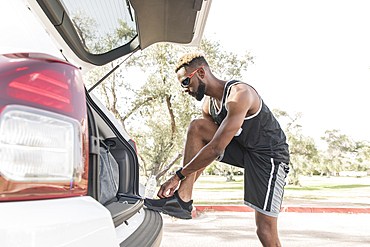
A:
{"points": [[237, 128]]}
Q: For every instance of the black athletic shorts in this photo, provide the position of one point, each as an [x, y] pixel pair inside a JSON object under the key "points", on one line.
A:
{"points": [[264, 178]]}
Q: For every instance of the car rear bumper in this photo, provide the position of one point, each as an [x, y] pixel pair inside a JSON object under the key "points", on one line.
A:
{"points": [[149, 233], [77, 221]]}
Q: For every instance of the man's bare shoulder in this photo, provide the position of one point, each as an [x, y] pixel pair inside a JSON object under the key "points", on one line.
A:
{"points": [[244, 99], [240, 87], [240, 91]]}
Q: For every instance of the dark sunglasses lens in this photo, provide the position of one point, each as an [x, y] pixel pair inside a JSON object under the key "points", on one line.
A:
{"points": [[185, 82]]}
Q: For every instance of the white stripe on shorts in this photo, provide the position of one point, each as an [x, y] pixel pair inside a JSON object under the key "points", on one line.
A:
{"points": [[269, 186]]}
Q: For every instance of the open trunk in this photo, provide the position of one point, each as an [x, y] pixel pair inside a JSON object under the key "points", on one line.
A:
{"points": [[128, 202]]}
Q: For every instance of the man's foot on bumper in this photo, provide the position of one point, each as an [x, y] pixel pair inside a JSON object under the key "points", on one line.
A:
{"points": [[172, 206]]}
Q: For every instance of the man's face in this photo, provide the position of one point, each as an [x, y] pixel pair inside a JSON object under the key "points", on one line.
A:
{"points": [[191, 83]]}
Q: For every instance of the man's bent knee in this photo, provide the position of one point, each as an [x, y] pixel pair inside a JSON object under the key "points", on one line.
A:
{"points": [[202, 128]]}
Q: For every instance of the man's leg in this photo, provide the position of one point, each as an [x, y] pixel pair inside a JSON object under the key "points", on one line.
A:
{"points": [[200, 132], [267, 230]]}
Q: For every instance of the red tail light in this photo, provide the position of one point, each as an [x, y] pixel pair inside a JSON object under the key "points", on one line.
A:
{"points": [[43, 128], [43, 88]]}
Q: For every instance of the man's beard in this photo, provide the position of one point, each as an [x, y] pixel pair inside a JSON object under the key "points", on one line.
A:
{"points": [[199, 95]]}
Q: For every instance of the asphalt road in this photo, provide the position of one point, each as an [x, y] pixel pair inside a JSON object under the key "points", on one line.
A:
{"points": [[295, 229]]}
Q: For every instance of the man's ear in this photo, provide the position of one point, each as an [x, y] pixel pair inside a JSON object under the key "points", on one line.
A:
{"points": [[202, 73]]}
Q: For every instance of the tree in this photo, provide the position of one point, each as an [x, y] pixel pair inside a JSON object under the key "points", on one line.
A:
{"points": [[225, 65], [343, 153], [163, 108], [303, 152], [157, 107], [363, 156]]}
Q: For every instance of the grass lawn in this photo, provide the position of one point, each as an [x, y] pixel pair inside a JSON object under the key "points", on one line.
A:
{"points": [[215, 190]]}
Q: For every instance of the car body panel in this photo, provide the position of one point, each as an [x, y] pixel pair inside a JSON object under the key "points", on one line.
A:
{"points": [[30, 35], [78, 221]]}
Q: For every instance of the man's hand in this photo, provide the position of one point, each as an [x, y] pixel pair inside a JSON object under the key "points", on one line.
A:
{"points": [[168, 188]]}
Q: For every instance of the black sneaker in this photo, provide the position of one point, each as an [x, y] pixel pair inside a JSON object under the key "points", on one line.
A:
{"points": [[172, 206]]}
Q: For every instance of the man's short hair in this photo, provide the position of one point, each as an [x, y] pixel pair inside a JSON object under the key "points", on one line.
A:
{"points": [[195, 59]]}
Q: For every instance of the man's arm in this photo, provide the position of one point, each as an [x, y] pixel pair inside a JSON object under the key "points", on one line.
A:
{"points": [[239, 102]]}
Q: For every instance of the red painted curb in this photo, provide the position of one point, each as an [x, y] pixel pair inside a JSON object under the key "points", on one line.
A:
{"points": [[287, 209], [232, 208], [326, 210], [194, 212]]}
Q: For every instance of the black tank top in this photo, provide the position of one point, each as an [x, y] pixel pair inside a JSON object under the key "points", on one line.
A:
{"points": [[260, 133]]}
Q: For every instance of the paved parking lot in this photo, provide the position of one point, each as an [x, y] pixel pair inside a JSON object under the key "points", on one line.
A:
{"points": [[295, 229]]}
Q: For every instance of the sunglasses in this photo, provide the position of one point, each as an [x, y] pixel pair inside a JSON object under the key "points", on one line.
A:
{"points": [[186, 81]]}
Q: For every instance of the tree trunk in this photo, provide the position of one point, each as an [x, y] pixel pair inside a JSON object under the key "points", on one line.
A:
{"points": [[170, 164], [155, 168], [295, 180], [229, 178]]}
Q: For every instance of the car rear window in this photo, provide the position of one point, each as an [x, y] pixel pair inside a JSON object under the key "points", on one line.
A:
{"points": [[102, 25]]}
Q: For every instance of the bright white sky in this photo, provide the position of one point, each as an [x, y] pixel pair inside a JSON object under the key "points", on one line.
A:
{"points": [[311, 57]]}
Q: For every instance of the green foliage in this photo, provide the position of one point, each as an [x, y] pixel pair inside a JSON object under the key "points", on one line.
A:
{"points": [[344, 153], [161, 107], [225, 65], [338, 144], [304, 154]]}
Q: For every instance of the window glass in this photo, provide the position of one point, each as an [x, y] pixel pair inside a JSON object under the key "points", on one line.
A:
{"points": [[102, 25]]}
